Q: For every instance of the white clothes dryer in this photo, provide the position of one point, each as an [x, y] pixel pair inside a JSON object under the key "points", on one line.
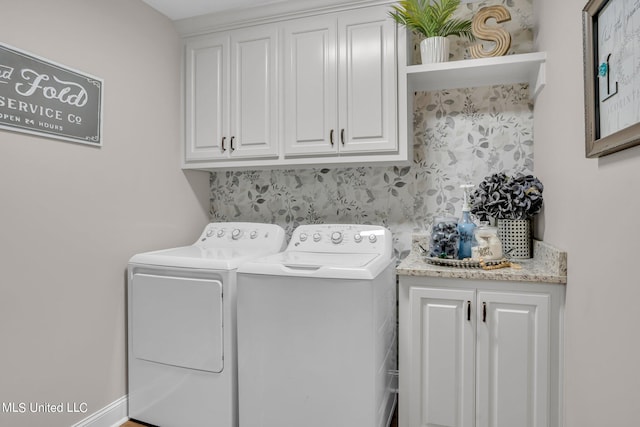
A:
{"points": [[317, 330], [182, 326]]}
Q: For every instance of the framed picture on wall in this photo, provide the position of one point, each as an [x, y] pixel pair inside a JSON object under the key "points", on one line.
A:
{"points": [[611, 37]]}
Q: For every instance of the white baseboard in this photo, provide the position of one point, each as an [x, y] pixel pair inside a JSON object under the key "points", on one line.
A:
{"points": [[112, 415]]}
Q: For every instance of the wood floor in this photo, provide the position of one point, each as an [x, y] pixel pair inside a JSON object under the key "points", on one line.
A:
{"points": [[394, 423]]}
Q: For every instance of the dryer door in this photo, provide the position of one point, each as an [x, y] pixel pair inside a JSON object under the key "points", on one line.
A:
{"points": [[177, 321]]}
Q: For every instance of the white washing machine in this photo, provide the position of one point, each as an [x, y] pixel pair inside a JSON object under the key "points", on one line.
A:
{"points": [[181, 321], [317, 330]]}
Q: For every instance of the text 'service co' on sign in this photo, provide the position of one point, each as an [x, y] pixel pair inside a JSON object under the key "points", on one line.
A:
{"points": [[41, 97]]}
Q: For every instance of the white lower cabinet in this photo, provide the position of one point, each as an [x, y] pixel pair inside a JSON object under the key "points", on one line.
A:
{"points": [[441, 389], [479, 354], [512, 354]]}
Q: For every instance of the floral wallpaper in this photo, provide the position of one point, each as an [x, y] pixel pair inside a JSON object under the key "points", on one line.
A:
{"points": [[460, 136]]}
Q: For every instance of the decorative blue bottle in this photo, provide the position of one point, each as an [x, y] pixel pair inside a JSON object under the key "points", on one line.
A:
{"points": [[466, 226]]}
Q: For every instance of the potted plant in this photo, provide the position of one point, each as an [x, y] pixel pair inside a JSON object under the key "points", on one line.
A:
{"points": [[511, 202], [433, 20]]}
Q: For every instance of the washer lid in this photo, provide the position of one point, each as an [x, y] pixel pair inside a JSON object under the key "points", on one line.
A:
{"points": [[198, 257], [295, 259], [318, 264]]}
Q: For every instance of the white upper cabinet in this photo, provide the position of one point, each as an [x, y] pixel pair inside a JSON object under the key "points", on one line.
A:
{"points": [[340, 84], [206, 97], [310, 86], [231, 95], [367, 82], [317, 89], [254, 97]]}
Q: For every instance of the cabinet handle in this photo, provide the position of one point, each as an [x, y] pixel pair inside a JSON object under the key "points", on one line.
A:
{"points": [[342, 136], [331, 137], [469, 311], [232, 147], [223, 139], [484, 311]]}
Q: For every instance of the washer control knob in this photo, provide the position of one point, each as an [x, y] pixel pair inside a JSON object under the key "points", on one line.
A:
{"points": [[357, 238], [316, 237], [253, 234], [303, 237], [220, 233], [372, 238], [235, 234], [336, 237], [210, 232]]}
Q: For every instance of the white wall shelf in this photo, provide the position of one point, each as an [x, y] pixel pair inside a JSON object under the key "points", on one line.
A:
{"points": [[510, 69]]}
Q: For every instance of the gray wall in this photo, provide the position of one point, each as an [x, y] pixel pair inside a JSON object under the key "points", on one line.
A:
{"points": [[591, 209], [71, 215]]}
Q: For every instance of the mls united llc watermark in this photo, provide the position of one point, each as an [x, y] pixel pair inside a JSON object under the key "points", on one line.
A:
{"points": [[43, 407]]}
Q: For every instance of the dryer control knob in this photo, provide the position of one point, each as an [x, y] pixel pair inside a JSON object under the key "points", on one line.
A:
{"points": [[303, 237], [210, 232], [336, 237], [357, 238], [220, 233], [317, 237], [253, 234], [372, 238], [235, 234]]}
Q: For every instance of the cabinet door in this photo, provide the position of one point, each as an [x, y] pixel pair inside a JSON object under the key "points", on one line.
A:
{"points": [[368, 81], [442, 338], [310, 87], [513, 359], [254, 97], [206, 97]]}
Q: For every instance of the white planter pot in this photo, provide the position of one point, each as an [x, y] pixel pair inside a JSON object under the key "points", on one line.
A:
{"points": [[434, 49]]}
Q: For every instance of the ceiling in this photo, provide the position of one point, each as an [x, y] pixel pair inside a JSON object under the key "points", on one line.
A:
{"points": [[179, 9]]}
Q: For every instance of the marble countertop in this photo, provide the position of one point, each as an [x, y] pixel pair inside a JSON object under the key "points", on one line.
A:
{"points": [[549, 265]]}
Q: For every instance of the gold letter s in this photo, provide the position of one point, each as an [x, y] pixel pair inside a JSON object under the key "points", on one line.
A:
{"points": [[482, 31]]}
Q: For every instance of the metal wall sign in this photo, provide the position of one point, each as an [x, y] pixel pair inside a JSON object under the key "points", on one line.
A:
{"points": [[40, 97]]}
